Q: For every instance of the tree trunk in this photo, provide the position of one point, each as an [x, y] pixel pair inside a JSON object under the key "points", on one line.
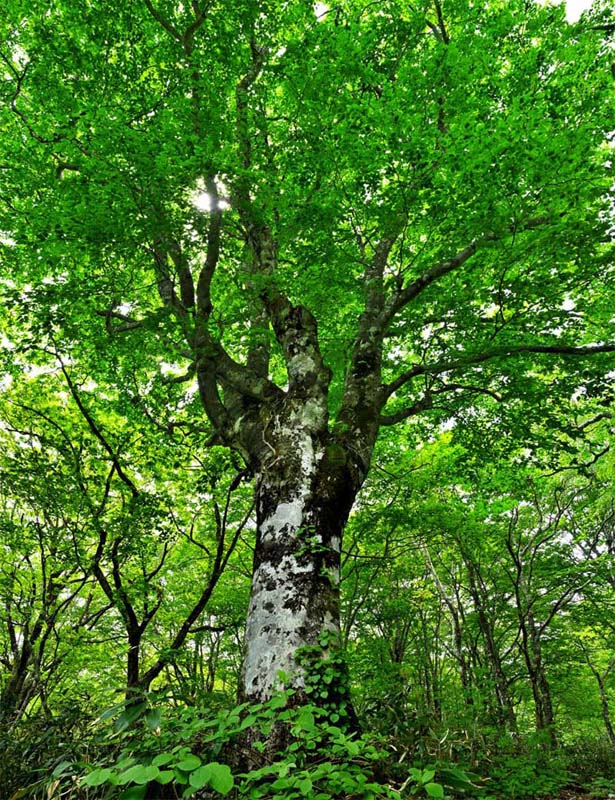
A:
{"points": [[12, 696], [604, 697], [604, 705], [541, 691], [304, 494], [133, 663], [456, 612], [22, 685], [505, 708]]}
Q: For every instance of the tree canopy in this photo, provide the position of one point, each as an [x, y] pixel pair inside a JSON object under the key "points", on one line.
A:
{"points": [[262, 249]]}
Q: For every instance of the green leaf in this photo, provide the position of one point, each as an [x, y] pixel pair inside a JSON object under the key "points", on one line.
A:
{"points": [[218, 776], [222, 779], [110, 712], [128, 716], [150, 774], [139, 773], [124, 763], [247, 722], [434, 789], [163, 758], [200, 777], [180, 776], [61, 769], [97, 777], [305, 786], [165, 776], [152, 719], [305, 719], [134, 793], [190, 763], [352, 747]]}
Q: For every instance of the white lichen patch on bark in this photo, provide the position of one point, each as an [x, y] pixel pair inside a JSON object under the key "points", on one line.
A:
{"points": [[295, 584], [281, 616], [274, 630], [287, 516], [300, 364], [311, 414]]}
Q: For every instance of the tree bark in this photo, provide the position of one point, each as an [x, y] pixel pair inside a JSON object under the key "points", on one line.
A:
{"points": [[604, 701], [304, 493], [16, 688], [505, 708], [541, 690]]}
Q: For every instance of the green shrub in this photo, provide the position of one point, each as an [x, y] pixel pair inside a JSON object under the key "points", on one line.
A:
{"points": [[527, 768], [180, 753], [33, 748], [592, 764]]}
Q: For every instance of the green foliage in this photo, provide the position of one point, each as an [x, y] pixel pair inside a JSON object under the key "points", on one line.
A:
{"points": [[320, 760], [40, 751], [528, 770], [461, 151], [316, 759], [592, 763]]}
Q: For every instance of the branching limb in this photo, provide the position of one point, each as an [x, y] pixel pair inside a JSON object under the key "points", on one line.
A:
{"points": [[169, 28], [442, 367], [203, 292], [184, 274], [65, 166], [582, 466], [124, 606], [427, 401], [441, 25], [241, 103], [421, 405], [187, 376], [374, 278], [185, 39], [259, 354], [220, 562], [166, 284], [149, 576], [97, 432], [588, 423], [408, 293], [200, 15], [290, 323], [128, 323], [19, 79]]}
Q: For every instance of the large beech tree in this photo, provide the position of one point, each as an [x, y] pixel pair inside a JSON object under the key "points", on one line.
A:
{"points": [[333, 219]]}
